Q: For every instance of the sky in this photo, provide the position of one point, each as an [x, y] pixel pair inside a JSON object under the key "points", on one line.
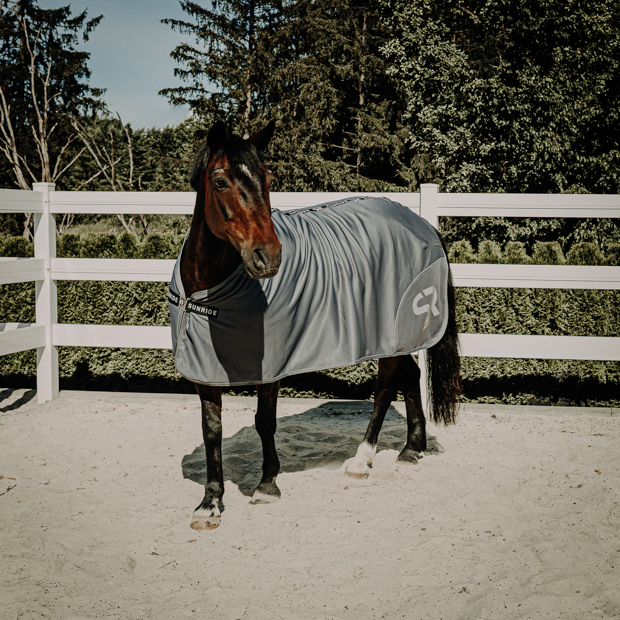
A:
{"points": [[130, 56]]}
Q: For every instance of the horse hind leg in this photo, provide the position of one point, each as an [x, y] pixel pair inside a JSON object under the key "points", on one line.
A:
{"points": [[387, 381], [267, 491], [409, 384]]}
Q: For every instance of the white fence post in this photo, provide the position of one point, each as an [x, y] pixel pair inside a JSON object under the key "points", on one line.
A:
{"points": [[428, 203], [428, 210], [46, 296]]}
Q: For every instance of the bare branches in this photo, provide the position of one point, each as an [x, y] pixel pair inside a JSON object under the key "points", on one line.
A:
{"points": [[103, 159], [71, 138], [130, 151], [102, 152], [65, 224], [39, 89], [41, 135], [41, 98], [8, 142]]}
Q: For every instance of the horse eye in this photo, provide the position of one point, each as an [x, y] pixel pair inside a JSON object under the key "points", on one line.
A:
{"points": [[220, 183]]}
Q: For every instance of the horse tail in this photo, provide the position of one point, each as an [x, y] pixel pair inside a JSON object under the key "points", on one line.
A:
{"points": [[443, 365]]}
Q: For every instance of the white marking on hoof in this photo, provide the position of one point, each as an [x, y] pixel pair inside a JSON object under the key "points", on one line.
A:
{"points": [[359, 465], [205, 519], [263, 498]]}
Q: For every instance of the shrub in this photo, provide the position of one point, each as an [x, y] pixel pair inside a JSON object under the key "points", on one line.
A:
{"points": [[585, 254], [462, 252], [68, 246], [492, 310], [515, 254], [489, 252], [16, 246], [99, 245], [548, 253], [159, 245], [613, 255], [128, 246]]}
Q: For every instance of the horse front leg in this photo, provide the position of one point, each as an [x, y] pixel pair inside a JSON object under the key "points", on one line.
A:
{"points": [[207, 515], [267, 491], [387, 381]]}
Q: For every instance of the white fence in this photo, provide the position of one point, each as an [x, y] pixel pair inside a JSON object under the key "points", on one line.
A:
{"points": [[46, 335]]}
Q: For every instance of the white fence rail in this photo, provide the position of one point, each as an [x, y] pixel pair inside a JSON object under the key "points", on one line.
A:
{"points": [[45, 269]]}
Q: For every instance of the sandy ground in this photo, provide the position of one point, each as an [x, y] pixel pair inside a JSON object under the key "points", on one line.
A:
{"points": [[517, 517]]}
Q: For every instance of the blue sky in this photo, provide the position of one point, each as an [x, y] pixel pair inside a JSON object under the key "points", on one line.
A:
{"points": [[130, 56]]}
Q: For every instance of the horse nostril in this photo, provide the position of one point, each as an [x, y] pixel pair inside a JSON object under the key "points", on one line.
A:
{"points": [[260, 258]]}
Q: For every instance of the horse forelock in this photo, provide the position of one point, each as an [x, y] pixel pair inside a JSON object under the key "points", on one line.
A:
{"points": [[241, 156]]}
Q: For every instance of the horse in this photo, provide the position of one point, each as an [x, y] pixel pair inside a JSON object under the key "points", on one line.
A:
{"points": [[232, 232]]}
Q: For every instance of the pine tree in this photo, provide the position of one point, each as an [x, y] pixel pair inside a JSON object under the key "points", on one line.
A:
{"points": [[315, 67], [339, 113], [225, 71]]}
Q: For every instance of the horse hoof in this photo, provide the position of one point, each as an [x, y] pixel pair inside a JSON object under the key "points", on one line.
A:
{"points": [[201, 526], [263, 498], [359, 465], [357, 470], [409, 457], [203, 520], [266, 493], [357, 474]]}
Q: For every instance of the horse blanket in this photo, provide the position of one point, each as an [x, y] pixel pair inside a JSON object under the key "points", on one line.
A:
{"points": [[361, 278]]}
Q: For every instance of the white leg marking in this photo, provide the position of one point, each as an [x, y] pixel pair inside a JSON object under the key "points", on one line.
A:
{"points": [[205, 518], [358, 466]]}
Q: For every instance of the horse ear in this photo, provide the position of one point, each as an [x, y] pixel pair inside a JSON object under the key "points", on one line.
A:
{"points": [[261, 138], [217, 136]]}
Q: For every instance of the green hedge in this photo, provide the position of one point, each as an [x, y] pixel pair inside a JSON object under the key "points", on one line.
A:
{"points": [[508, 311]]}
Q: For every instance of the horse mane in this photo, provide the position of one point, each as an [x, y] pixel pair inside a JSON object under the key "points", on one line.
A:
{"points": [[199, 167], [238, 151]]}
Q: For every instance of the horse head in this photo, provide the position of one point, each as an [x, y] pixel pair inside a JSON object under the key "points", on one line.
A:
{"points": [[237, 208]]}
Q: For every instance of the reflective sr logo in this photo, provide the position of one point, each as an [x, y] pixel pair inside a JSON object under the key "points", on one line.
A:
{"points": [[426, 308]]}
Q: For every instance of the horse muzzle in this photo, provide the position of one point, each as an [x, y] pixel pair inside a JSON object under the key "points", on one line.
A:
{"points": [[260, 263]]}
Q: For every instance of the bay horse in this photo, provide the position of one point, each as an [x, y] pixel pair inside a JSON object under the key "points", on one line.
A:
{"points": [[232, 232]]}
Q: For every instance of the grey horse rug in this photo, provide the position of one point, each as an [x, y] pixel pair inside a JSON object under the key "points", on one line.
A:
{"points": [[360, 279]]}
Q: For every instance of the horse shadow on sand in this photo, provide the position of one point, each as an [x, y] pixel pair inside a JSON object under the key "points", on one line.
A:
{"points": [[321, 437]]}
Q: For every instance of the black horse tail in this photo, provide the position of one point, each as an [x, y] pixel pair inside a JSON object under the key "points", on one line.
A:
{"points": [[443, 366]]}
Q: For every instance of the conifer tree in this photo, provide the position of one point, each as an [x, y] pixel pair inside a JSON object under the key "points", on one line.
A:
{"points": [[338, 109], [226, 70], [312, 65]]}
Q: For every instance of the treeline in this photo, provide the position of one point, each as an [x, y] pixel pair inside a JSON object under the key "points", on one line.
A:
{"points": [[371, 95], [477, 96]]}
